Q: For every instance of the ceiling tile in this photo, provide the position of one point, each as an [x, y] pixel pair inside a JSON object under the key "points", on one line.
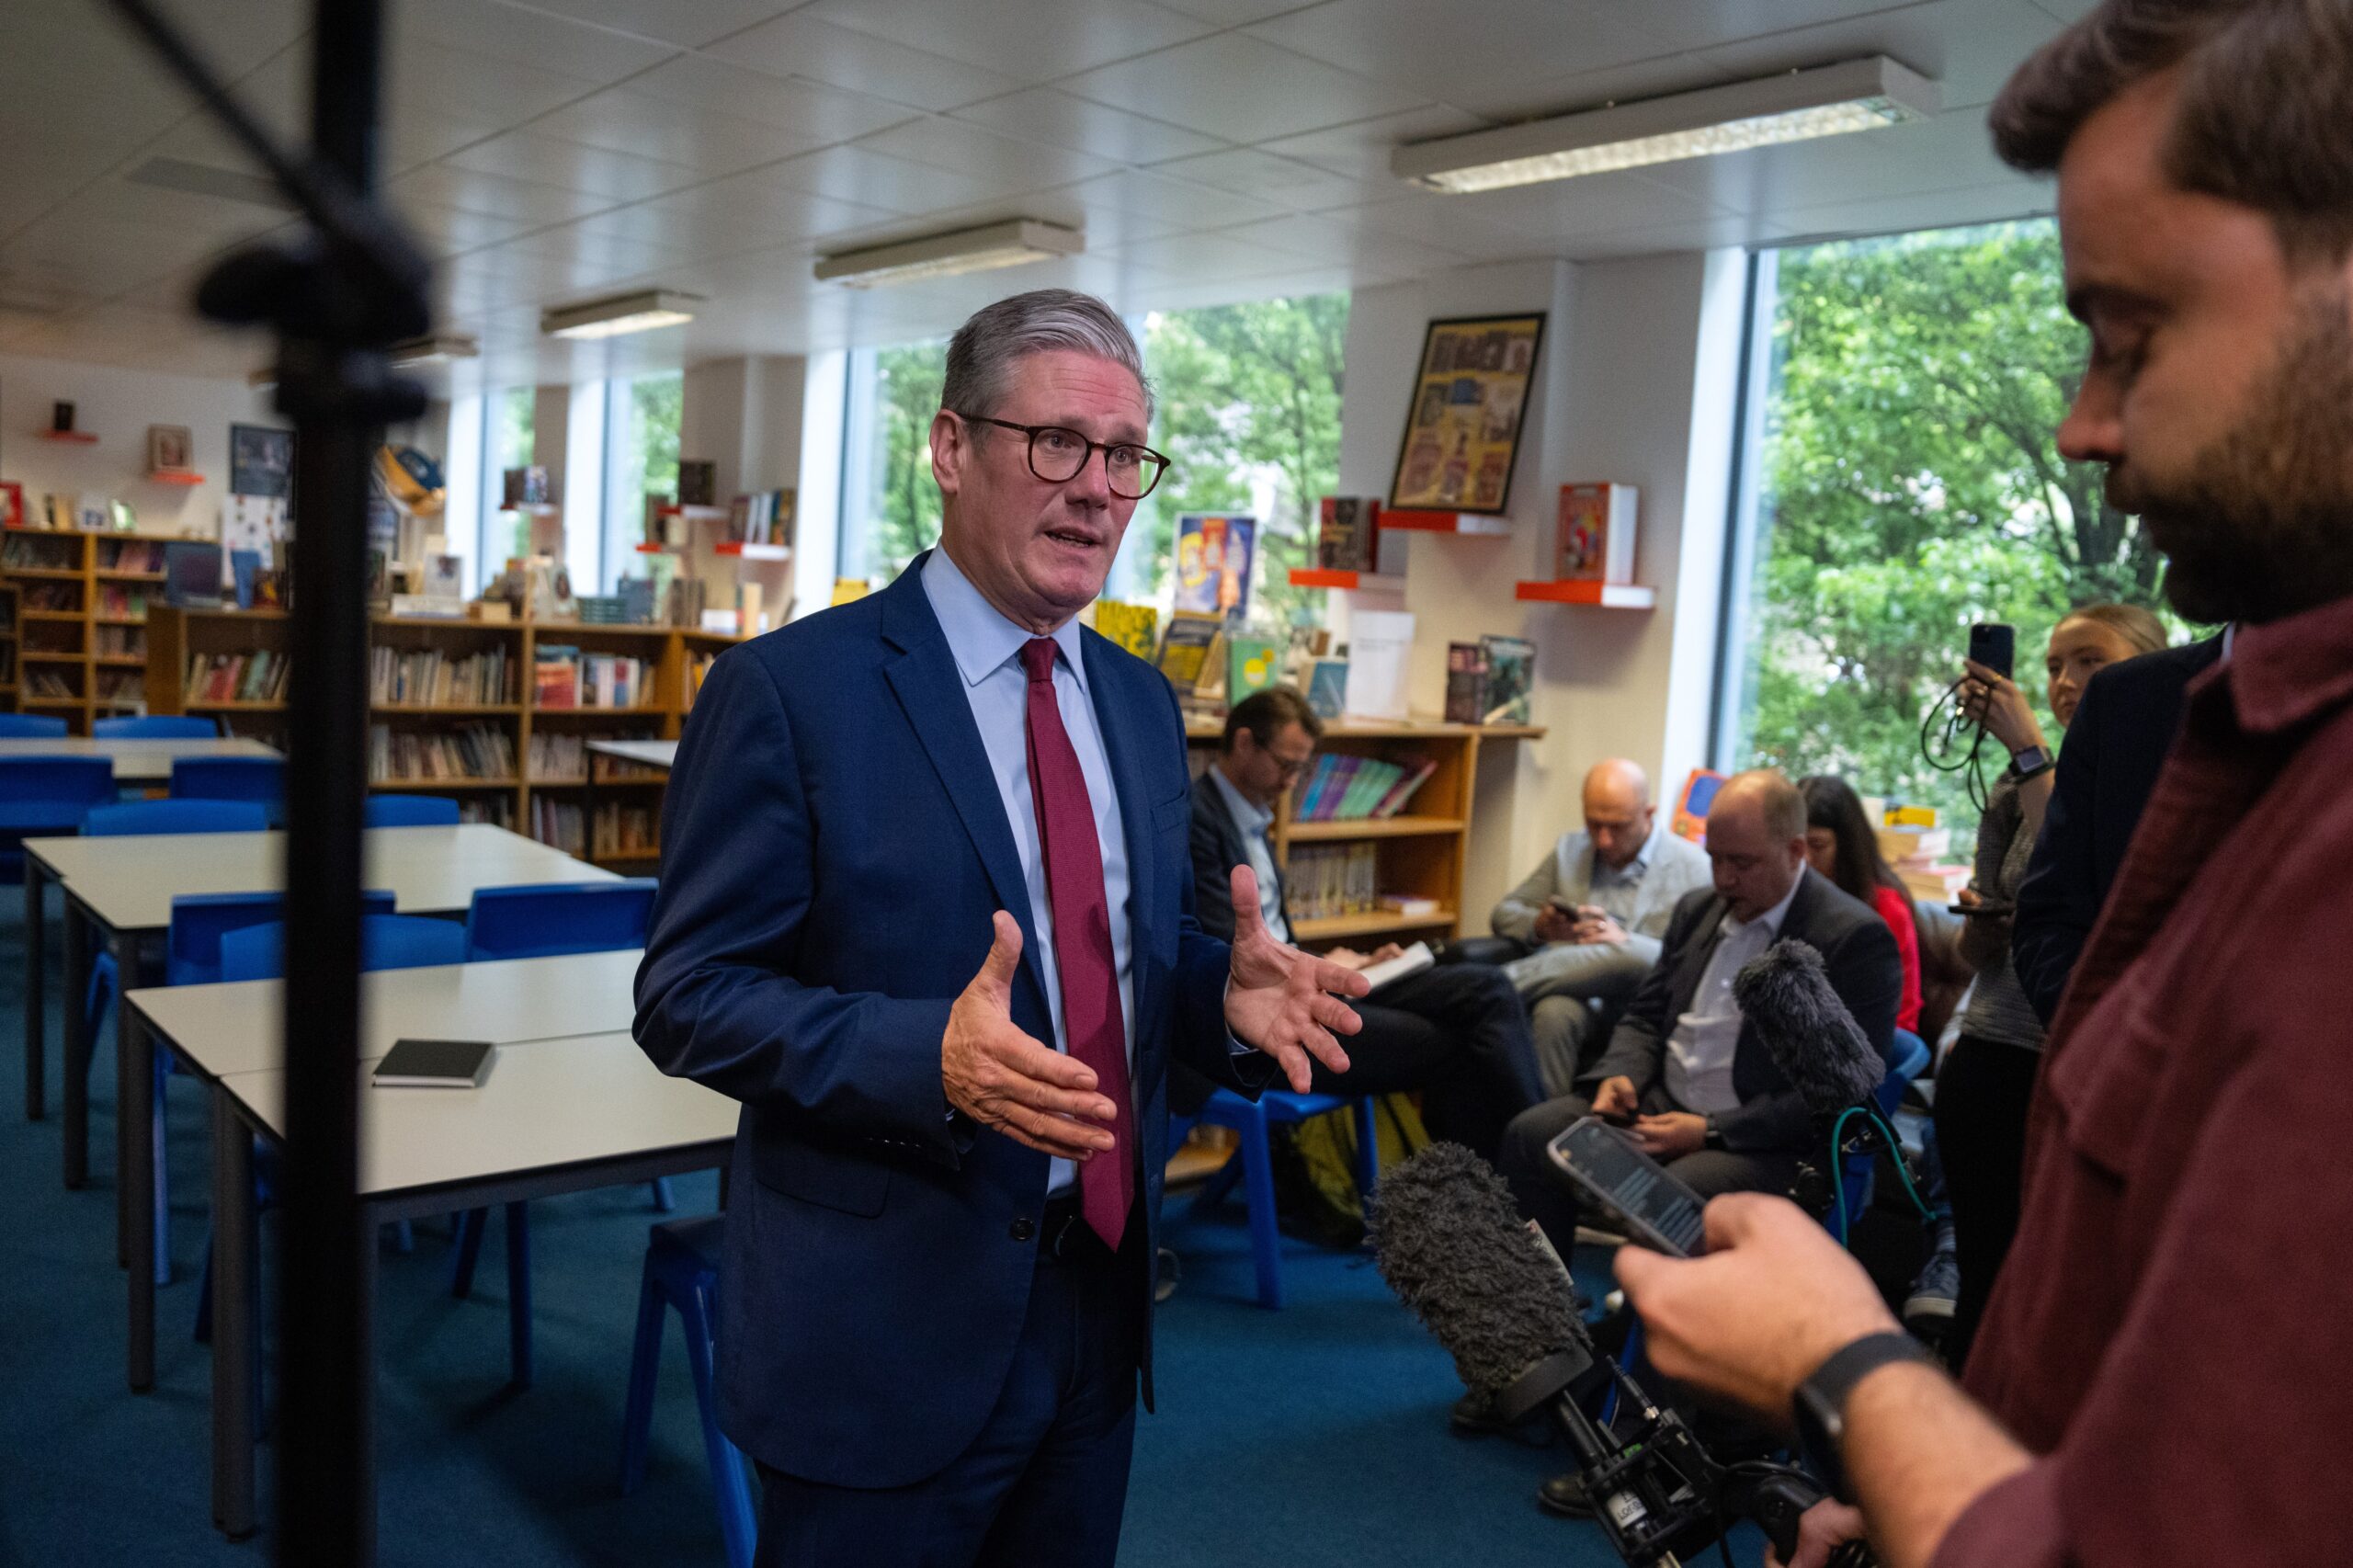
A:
{"points": [[802, 45], [1950, 152], [1704, 24], [1174, 202], [1204, 258], [876, 179], [697, 138], [1441, 51], [1029, 41], [1346, 243], [1236, 13], [823, 113], [432, 81], [1969, 46], [491, 29], [2015, 198], [471, 190], [1055, 117], [1286, 182], [737, 214], [1241, 88], [1546, 96], [596, 171], [998, 161], [693, 24], [1362, 149], [1706, 234]]}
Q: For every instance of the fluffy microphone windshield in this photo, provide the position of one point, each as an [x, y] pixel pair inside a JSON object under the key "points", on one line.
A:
{"points": [[1452, 1247], [1807, 1030]]}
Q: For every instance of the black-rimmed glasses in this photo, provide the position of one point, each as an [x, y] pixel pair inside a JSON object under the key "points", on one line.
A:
{"points": [[1058, 455]]}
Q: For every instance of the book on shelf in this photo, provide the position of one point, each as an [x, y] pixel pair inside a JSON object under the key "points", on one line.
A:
{"points": [[1252, 664], [1381, 641], [39, 554], [256, 676], [1325, 881], [1135, 628], [1596, 539], [463, 752], [1347, 527], [615, 830], [428, 678], [565, 676], [1184, 647], [698, 482], [1343, 787], [763, 517], [1412, 905], [122, 601], [1328, 689], [1466, 683], [133, 555], [1511, 675]]}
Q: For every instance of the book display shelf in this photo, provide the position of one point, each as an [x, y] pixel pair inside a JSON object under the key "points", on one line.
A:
{"points": [[7, 647], [1417, 854], [80, 626], [497, 715]]}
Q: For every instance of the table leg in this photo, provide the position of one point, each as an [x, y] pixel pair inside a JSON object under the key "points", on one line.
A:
{"points": [[77, 1138], [136, 1130], [236, 1320], [36, 984]]}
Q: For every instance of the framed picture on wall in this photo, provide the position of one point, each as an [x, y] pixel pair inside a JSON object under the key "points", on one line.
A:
{"points": [[261, 462], [171, 449], [1463, 421]]}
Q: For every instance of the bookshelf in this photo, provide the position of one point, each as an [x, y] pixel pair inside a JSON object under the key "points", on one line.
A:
{"points": [[461, 695], [79, 629], [1420, 852], [7, 647]]}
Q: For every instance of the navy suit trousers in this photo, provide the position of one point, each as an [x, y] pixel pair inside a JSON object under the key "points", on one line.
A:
{"points": [[1043, 1485]]}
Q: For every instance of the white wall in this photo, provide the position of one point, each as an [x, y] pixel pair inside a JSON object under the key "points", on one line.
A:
{"points": [[118, 406], [746, 415], [1635, 384]]}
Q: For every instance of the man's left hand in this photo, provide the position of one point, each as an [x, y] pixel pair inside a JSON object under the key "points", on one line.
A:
{"points": [[1598, 926], [1773, 1297], [1671, 1134], [1282, 1000]]}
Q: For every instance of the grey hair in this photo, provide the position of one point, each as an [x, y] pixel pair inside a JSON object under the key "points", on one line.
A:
{"points": [[981, 355]]}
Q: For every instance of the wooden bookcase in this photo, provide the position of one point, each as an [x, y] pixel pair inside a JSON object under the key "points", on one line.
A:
{"points": [[1422, 851], [7, 647], [79, 626], [540, 800]]}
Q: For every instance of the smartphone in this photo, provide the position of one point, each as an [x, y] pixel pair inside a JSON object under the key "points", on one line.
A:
{"points": [[1994, 645], [1658, 1212], [1993, 910]]}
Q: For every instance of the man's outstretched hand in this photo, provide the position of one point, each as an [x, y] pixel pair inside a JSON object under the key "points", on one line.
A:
{"points": [[1002, 1078], [1281, 1000]]}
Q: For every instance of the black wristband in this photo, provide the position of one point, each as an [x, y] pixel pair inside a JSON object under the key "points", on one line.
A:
{"points": [[1819, 1406]]}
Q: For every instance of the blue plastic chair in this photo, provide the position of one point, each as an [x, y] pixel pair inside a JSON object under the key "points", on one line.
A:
{"points": [[30, 727], [1908, 1058], [40, 795], [157, 727], [1253, 1162], [542, 920], [386, 942], [261, 778], [682, 1271], [410, 811], [141, 818]]}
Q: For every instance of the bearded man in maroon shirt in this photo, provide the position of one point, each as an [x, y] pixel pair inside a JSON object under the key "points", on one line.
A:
{"points": [[2161, 1377]]}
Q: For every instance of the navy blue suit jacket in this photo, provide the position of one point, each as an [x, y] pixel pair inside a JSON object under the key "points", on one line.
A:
{"points": [[2123, 729], [834, 846]]}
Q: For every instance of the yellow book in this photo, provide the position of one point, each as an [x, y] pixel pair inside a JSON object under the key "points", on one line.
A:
{"points": [[1135, 628]]}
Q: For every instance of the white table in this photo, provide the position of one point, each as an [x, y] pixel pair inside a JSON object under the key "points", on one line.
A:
{"points": [[123, 888], [556, 1115], [652, 754], [137, 759]]}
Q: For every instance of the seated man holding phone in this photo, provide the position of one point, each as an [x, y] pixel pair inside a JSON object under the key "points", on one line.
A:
{"points": [[1683, 1071], [1589, 918]]}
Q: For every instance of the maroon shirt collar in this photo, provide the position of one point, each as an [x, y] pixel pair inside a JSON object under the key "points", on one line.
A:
{"points": [[2285, 673]]}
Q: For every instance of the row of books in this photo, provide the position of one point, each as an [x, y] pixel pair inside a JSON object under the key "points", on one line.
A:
{"points": [[1487, 682], [1345, 788], [39, 554], [563, 677], [122, 641], [255, 677], [120, 600], [131, 555], [1593, 541], [50, 680], [466, 751], [427, 677], [617, 830], [122, 686], [1328, 879], [60, 598], [564, 760]]}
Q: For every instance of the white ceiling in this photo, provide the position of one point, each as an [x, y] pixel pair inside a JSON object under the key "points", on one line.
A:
{"points": [[1213, 150]]}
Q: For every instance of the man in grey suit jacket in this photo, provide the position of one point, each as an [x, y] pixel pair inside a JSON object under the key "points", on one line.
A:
{"points": [[1684, 1070], [1592, 912]]}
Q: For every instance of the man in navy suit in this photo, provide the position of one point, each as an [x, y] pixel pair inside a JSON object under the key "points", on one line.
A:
{"points": [[927, 912]]}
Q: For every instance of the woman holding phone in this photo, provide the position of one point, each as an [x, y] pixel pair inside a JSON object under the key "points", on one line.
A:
{"points": [[1987, 1080]]}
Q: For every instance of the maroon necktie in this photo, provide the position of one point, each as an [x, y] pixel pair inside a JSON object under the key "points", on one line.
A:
{"points": [[1090, 976]]}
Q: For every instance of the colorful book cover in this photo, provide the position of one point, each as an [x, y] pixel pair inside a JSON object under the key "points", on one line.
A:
{"points": [[1214, 556], [1343, 772], [1596, 541], [1328, 689], [1466, 683], [1345, 534], [1311, 789], [1403, 790], [1511, 673], [1185, 646], [1135, 628], [1252, 664]]}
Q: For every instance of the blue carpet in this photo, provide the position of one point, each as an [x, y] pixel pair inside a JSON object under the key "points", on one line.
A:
{"points": [[1310, 1437]]}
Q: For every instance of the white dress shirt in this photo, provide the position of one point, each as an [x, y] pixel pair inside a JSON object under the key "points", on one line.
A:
{"points": [[987, 650], [1255, 821], [1699, 1052]]}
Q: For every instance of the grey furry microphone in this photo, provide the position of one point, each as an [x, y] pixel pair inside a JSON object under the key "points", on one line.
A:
{"points": [[1807, 1030]]}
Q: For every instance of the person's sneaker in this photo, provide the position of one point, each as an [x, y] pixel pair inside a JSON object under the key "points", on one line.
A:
{"points": [[1929, 1309], [1564, 1495], [1474, 1415]]}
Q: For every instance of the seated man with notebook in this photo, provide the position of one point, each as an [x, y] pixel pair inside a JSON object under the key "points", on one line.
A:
{"points": [[1456, 1033]]}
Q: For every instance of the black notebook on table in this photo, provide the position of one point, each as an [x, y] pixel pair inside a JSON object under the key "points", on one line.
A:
{"points": [[436, 1063]]}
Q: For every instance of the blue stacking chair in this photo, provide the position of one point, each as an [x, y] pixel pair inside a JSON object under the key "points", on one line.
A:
{"points": [[1908, 1058], [157, 727], [542, 920], [386, 942], [30, 727], [260, 778], [410, 811], [1253, 1163], [682, 1272], [45, 795]]}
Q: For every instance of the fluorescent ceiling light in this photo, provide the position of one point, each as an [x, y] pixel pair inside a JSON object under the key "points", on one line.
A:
{"points": [[438, 349], [641, 312], [1009, 244], [1829, 100]]}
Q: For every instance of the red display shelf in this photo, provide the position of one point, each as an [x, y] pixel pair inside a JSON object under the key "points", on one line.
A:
{"points": [[174, 476], [1609, 596], [70, 438], [1474, 523], [704, 514], [1323, 577], [751, 552]]}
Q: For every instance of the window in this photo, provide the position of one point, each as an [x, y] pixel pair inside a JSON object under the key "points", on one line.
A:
{"points": [[1249, 412], [641, 458], [510, 444], [1899, 483]]}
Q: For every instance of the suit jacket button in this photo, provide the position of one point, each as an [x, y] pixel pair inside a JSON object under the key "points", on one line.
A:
{"points": [[1024, 1227]]}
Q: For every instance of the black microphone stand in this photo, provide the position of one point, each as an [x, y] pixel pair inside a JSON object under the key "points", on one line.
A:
{"points": [[337, 297]]}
